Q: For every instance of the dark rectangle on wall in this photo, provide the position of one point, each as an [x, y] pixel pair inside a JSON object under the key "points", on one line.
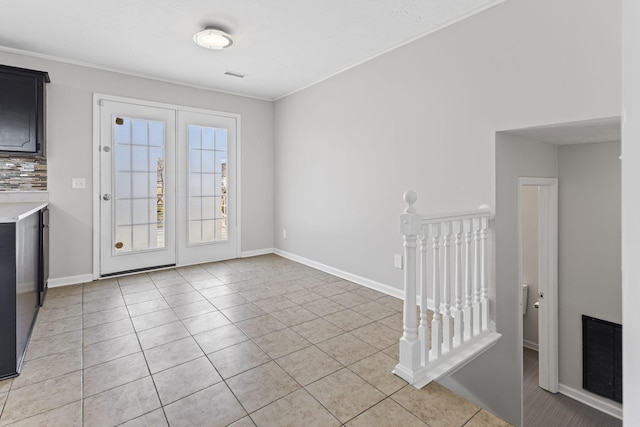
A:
{"points": [[602, 358]]}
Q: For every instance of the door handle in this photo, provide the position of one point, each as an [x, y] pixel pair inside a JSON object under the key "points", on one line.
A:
{"points": [[106, 197]]}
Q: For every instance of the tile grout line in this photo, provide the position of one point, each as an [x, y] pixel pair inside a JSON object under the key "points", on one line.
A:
{"points": [[223, 380], [472, 417], [144, 356]]}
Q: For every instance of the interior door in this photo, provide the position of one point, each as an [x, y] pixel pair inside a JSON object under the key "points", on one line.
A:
{"points": [[207, 187], [137, 182]]}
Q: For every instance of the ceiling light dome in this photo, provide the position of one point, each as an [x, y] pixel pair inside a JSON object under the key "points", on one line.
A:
{"points": [[212, 38]]}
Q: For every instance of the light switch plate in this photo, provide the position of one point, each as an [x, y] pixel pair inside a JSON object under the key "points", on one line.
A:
{"points": [[397, 261], [78, 183]]}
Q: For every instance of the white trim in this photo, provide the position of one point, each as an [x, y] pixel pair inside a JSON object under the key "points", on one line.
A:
{"points": [[530, 345], [238, 186], [610, 408], [372, 284], [548, 271], [455, 20], [97, 100], [547, 274], [174, 107], [256, 252], [96, 186], [69, 280], [126, 73]]}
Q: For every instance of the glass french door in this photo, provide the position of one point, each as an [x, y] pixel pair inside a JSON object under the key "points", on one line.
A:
{"points": [[137, 158], [206, 187], [167, 187]]}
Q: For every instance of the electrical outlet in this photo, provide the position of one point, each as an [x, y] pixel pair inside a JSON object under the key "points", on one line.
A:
{"points": [[284, 234], [397, 261]]}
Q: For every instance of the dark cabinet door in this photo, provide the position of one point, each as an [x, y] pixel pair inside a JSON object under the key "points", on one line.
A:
{"points": [[22, 110], [18, 118]]}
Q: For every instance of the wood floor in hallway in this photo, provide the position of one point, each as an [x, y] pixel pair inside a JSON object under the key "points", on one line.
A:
{"points": [[544, 409]]}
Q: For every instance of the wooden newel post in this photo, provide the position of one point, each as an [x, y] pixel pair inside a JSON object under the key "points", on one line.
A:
{"points": [[410, 357]]}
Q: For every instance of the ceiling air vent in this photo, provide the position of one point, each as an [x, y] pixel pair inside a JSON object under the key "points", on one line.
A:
{"points": [[234, 74]]}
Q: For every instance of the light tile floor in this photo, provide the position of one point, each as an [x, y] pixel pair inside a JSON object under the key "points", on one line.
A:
{"points": [[259, 341]]}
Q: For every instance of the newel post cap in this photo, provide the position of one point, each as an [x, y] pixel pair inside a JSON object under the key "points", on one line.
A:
{"points": [[409, 219], [410, 198]]}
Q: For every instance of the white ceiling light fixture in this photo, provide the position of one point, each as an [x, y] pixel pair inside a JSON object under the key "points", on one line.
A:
{"points": [[213, 38]]}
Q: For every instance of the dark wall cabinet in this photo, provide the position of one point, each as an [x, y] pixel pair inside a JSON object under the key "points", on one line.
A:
{"points": [[22, 111], [21, 265]]}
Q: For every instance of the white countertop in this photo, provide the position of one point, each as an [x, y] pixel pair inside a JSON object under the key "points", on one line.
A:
{"points": [[14, 212]]}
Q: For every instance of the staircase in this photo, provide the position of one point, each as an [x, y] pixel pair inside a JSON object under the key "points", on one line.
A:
{"points": [[457, 292]]}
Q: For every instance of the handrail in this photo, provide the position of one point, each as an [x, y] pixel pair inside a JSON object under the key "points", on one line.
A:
{"points": [[484, 211]]}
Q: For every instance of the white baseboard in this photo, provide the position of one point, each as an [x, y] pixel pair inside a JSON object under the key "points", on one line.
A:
{"points": [[530, 344], [69, 280], [372, 284], [608, 407], [257, 252]]}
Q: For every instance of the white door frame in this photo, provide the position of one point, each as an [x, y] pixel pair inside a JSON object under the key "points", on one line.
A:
{"points": [[547, 277], [97, 97]]}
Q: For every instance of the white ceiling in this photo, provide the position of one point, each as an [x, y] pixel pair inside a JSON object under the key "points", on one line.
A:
{"points": [[281, 45]]}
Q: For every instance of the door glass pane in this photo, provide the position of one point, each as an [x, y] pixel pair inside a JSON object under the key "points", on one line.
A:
{"points": [[208, 208], [208, 233], [195, 208], [140, 237], [195, 232], [139, 184], [208, 161], [123, 212], [221, 229], [208, 141], [139, 157], [207, 184]]}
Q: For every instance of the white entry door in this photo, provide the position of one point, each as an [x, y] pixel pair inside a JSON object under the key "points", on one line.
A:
{"points": [[207, 187], [137, 198]]}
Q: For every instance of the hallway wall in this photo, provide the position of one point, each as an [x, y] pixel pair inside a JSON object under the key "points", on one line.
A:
{"points": [[589, 245]]}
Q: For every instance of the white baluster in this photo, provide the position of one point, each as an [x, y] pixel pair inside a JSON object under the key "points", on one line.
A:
{"points": [[477, 325], [423, 329], [436, 330], [468, 281], [409, 346], [447, 321], [484, 296], [457, 308]]}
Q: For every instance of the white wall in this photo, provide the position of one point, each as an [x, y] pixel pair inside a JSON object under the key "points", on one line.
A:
{"points": [[529, 200], [69, 152], [515, 157], [424, 117], [589, 244], [631, 210]]}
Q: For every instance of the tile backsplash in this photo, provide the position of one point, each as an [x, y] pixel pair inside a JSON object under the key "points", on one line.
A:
{"points": [[23, 173]]}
